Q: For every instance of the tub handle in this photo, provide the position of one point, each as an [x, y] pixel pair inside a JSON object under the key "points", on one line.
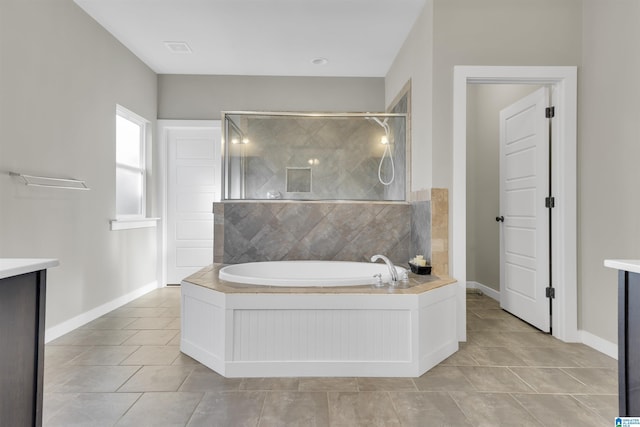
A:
{"points": [[377, 280]]}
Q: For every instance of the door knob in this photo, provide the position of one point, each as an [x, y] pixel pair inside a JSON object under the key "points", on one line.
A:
{"points": [[500, 219]]}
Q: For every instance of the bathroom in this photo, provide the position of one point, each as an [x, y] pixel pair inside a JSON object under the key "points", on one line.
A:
{"points": [[68, 74], [313, 200]]}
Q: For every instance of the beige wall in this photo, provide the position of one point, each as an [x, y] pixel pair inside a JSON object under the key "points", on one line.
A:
{"points": [[472, 32], [600, 37], [203, 97], [61, 76], [608, 154], [484, 102], [494, 32], [414, 63]]}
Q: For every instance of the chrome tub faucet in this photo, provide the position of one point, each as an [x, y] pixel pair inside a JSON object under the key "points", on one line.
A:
{"points": [[392, 268]]}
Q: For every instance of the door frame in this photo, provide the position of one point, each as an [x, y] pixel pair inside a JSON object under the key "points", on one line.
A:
{"points": [[164, 127], [563, 82]]}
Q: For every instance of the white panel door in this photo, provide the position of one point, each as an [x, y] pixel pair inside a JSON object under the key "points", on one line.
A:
{"points": [[192, 166], [524, 185]]}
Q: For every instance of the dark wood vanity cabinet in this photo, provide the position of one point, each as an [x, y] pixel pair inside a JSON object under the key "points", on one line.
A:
{"points": [[629, 343], [22, 308]]}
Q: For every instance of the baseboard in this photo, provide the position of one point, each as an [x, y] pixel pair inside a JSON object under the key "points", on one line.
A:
{"points": [[586, 338], [599, 344], [490, 292], [75, 322]]}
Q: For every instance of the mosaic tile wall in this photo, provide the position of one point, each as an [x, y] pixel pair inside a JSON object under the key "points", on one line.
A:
{"points": [[269, 231]]}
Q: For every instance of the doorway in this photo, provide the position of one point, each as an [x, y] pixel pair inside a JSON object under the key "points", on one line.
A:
{"points": [[507, 180], [563, 81]]}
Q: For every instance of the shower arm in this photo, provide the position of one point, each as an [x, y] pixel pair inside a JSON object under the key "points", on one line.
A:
{"points": [[382, 124]]}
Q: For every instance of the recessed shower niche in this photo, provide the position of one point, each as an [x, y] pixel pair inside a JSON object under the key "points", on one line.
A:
{"points": [[313, 156], [298, 180]]}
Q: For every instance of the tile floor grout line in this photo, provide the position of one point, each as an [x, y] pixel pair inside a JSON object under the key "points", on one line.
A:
{"points": [[326, 396], [515, 399], [585, 384], [195, 408], [129, 408], [468, 380], [264, 402], [393, 406], [185, 378], [127, 380], [176, 358], [587, 406], [522, 379]]}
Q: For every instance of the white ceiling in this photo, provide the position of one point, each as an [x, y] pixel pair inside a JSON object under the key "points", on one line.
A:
{"points": [[261, 37]]}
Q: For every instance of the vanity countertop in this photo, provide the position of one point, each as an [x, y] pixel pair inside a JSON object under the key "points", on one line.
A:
{"points": [[632, 265], [208, 278], [15, 266]]}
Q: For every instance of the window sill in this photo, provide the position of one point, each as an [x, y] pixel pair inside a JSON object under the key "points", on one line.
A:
{"points": [[128, 224]]}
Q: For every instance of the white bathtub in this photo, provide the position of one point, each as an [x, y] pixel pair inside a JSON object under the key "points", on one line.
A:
{"points": [[306, 273]]}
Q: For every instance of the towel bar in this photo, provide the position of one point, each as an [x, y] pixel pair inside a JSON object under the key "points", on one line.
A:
{"points": [[43, 181]]}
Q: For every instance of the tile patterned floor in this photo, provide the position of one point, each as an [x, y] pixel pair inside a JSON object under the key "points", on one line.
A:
{"points": [[126, 369]]}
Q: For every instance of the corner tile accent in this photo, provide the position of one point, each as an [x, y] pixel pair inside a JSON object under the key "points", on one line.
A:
{"points": [[440, 231], [271, 231]]}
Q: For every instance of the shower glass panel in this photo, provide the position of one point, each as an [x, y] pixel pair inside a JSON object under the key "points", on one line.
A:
{"points": [[304, 156]]}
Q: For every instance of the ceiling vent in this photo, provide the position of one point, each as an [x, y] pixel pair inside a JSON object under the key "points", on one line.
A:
{"points": [[178, 47]]}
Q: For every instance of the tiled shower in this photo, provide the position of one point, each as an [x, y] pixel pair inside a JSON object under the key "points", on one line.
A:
{"points": [[326, 173], [308, 157]]}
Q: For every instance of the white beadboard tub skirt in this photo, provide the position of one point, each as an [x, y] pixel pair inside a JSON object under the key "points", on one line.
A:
{"points": [[318, 334]]}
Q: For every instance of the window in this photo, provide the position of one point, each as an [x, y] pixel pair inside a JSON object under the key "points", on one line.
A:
{"points": [[131, 132]]}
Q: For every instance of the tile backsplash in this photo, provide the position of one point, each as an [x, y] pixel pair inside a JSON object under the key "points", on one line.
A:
{"points": [[249, 231], [344, 231]]}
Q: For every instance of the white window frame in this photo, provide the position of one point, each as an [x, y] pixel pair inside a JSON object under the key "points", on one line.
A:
{"points": [[123, 222]]}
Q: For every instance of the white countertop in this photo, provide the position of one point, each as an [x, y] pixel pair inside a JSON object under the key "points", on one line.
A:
{"points": [[15, 266], [632, 265]]}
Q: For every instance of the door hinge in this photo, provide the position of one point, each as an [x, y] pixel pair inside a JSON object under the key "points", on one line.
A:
{"points": [[549, 112], [550, 292], [549, 202]]}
